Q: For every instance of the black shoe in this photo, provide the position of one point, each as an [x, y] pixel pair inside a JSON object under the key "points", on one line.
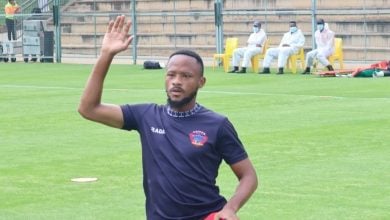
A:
{"points": [[265, 71], [280, 70], [243, 70], [330, 67], [235, 70], [307, 71]]}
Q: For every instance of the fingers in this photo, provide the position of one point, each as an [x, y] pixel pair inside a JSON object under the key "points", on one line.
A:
{"points": [[128, 40], [110, 25], [119, 24], [127, 27]]}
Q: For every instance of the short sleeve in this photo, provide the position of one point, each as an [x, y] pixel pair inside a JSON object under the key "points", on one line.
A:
{"points": [[133, 115], [229, 144]]}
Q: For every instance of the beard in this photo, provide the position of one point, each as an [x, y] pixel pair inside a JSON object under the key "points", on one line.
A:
{"points": [[181, 103]]}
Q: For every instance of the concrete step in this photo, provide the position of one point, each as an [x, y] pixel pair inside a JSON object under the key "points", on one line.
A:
{"points": [[250, 5], [101, 27], [350, 53], [143, 5], [143, 50], [143, 39], [349, 40], [101, 6], [84, 24]]}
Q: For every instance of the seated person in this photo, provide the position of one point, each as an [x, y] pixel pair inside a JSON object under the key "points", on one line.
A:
{"points": [[324, 38], [255, 43], [290, 44]]}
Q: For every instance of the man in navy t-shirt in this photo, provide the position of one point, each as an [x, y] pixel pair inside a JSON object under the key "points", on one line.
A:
{"points": [[183, 143]]}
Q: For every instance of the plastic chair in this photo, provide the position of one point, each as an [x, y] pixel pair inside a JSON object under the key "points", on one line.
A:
{"points": [[231, 44], [338, 53], [293, 59], [256, 58]]}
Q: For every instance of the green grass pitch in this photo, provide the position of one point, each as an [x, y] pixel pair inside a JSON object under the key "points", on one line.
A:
{"points": [[320, 146]]}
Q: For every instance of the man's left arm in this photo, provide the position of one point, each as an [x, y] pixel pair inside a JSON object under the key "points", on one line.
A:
{"points": [[262, 39], [248, 182], [298, 42], [330, 42]]}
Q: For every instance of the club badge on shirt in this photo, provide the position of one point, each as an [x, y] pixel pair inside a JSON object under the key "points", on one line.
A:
{"points": [[198, 138]]}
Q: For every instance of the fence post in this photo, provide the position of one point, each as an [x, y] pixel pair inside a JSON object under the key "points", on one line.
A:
{"points": [[313, 22], [57, 25], [134, 31], [218, 25]]}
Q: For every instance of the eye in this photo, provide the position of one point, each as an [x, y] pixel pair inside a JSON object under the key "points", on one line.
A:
{"points": [[187, 75], [170, 75]]}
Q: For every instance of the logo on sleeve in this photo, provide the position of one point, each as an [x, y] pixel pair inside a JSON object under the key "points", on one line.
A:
{"points": [[198, 138]]}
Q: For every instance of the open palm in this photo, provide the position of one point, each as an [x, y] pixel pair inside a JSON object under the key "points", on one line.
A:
{"points": [[117, 37]]}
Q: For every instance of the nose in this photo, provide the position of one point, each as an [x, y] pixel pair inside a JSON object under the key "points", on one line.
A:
{"points": [[176, 80]]}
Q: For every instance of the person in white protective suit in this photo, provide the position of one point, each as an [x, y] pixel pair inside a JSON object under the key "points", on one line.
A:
{"points": [[291, 43], [254, 46], [324, 39]]}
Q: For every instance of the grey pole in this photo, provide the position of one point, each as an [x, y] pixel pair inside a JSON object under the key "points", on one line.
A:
{"points": [[57, 23], [174, 24], [313, 22], [266, 12], [95, 31], [365, 31], [218, 25], [134, 31]]}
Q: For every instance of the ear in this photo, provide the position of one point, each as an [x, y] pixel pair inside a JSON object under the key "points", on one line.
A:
{"points": [[201, 82]]}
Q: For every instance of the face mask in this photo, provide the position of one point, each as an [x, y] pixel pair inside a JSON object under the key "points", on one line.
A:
{"points": [[293, 29], [320, 27], [255, 29]]}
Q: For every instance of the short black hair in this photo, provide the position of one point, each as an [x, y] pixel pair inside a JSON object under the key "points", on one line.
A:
{"points": [[190, 53], [320, 21], [257, 23], [293, 22]]}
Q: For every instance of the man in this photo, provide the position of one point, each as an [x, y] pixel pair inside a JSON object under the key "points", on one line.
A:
{"points": [[183, 143], [11, 8], [324, 38], [290, 44], [255, 42]]}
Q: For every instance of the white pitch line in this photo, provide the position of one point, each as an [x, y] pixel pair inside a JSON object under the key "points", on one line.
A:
{"points": [[50, 87], [201, 91], [295, 95]]}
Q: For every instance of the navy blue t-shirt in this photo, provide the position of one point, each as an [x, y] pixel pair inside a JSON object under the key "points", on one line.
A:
{"points": [[181, 157]]}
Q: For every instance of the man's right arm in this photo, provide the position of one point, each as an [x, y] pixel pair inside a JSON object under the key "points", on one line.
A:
{"points": [[115, 40], [90, 106]]}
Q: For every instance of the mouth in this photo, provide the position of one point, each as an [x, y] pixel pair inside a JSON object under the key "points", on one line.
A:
{"points": [[176, 91]]}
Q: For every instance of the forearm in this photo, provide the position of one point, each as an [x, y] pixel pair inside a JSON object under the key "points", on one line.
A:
{"points": [[247, 186]]}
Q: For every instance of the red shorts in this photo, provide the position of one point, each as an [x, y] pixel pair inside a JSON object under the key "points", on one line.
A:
{"points": [[211, 216]]}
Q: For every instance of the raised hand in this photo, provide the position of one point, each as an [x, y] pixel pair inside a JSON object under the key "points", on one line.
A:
{"points": [[117, 36]]}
